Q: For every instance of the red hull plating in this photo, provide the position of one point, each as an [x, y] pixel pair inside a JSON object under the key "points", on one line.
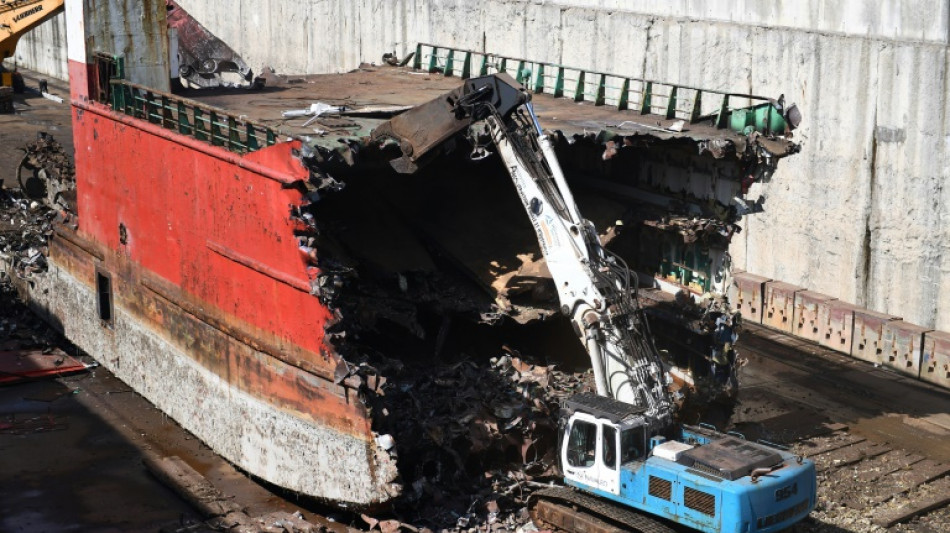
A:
{"points": [[199, 245]]}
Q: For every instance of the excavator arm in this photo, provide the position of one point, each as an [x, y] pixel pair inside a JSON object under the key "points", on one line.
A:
{"points": [[20, 16], [595, 288]]}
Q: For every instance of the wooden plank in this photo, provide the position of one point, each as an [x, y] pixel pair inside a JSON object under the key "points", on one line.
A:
{"points": [[904, 480], [849, 455], [883, 465], [191, 485], [818, 446], [937, 494], [895, 483]]}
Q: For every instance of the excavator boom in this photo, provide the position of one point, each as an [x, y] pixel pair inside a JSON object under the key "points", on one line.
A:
{"points": [[595, 288], [611, 443], [20, 16]]}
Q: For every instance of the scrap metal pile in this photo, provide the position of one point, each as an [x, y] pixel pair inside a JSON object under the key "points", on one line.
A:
{"points": [[474, 439], [28, 214]]}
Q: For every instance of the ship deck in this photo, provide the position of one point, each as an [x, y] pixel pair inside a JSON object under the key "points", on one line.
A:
{"points": [[372, 94], [498, 253]]}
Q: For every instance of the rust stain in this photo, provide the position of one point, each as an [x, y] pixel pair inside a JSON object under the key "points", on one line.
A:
{"points": [[219, 343]]}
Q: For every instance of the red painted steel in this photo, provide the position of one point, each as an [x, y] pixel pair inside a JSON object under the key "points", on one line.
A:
{"points": [[902, 348], [179, 199], [935, 364], [23, 365], [836, 325], [79, 76]]}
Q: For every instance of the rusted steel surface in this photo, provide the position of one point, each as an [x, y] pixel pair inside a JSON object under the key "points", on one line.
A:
{"points": [[903, 347], [252, 360], [378, 86], [779, 305], [836, 323], [869, 342], [202, 56], [142, 39], [570, 519], [563, 508], [244, 399], [747, 294], [424, 128], [168, 223], [805, 323], [21, 365], [935, 366]]}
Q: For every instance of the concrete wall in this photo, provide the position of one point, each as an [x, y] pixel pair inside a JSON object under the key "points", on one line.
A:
{"points": [[44, 49], [861, 213]]}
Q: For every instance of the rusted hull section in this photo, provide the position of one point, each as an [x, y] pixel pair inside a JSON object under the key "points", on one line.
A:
{"points": [[184, 278], [267, 437], [273, 419]]}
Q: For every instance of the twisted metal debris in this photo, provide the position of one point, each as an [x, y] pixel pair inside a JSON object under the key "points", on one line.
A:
{"points": [[46, 179]]}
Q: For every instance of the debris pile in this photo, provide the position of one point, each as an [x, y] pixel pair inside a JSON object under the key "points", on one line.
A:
{"points": [[46, 172], [25, 227], [29, 349], [46, 178], [20, 328], [473, 440]]}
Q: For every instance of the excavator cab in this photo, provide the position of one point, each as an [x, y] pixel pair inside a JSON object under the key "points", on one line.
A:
{"points": [[594, 450], [600, 437]]}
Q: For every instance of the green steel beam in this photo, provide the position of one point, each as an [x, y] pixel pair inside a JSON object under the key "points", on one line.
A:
{"points": [[467, 66], [449, 68], [539, 80], [671, 104], [623, 100], [646, 102], [579, 89], [764, 120]]}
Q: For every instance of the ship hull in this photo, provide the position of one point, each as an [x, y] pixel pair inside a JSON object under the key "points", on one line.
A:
{"points": [[273, 420], [184, 277]]}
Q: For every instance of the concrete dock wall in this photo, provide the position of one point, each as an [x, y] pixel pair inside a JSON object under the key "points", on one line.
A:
{"points": [[44, 49], [861, 214]]}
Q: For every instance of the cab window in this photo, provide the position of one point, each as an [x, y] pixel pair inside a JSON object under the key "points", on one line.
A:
{"points": [[632, 445], [582, 444], [610, 447]]}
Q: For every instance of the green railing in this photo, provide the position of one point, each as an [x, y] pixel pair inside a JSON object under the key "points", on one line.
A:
{"points": [[187, 117], [740, 112]]}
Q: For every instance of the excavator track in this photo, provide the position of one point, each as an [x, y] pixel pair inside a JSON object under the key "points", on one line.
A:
{"points": [[566, 509]]}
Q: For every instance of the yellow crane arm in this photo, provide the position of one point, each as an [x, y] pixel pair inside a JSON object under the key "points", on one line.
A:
{"points": [[20, 16]]}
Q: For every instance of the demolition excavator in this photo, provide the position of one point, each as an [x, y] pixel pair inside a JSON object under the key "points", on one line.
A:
{"points": [[626, 463]]}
